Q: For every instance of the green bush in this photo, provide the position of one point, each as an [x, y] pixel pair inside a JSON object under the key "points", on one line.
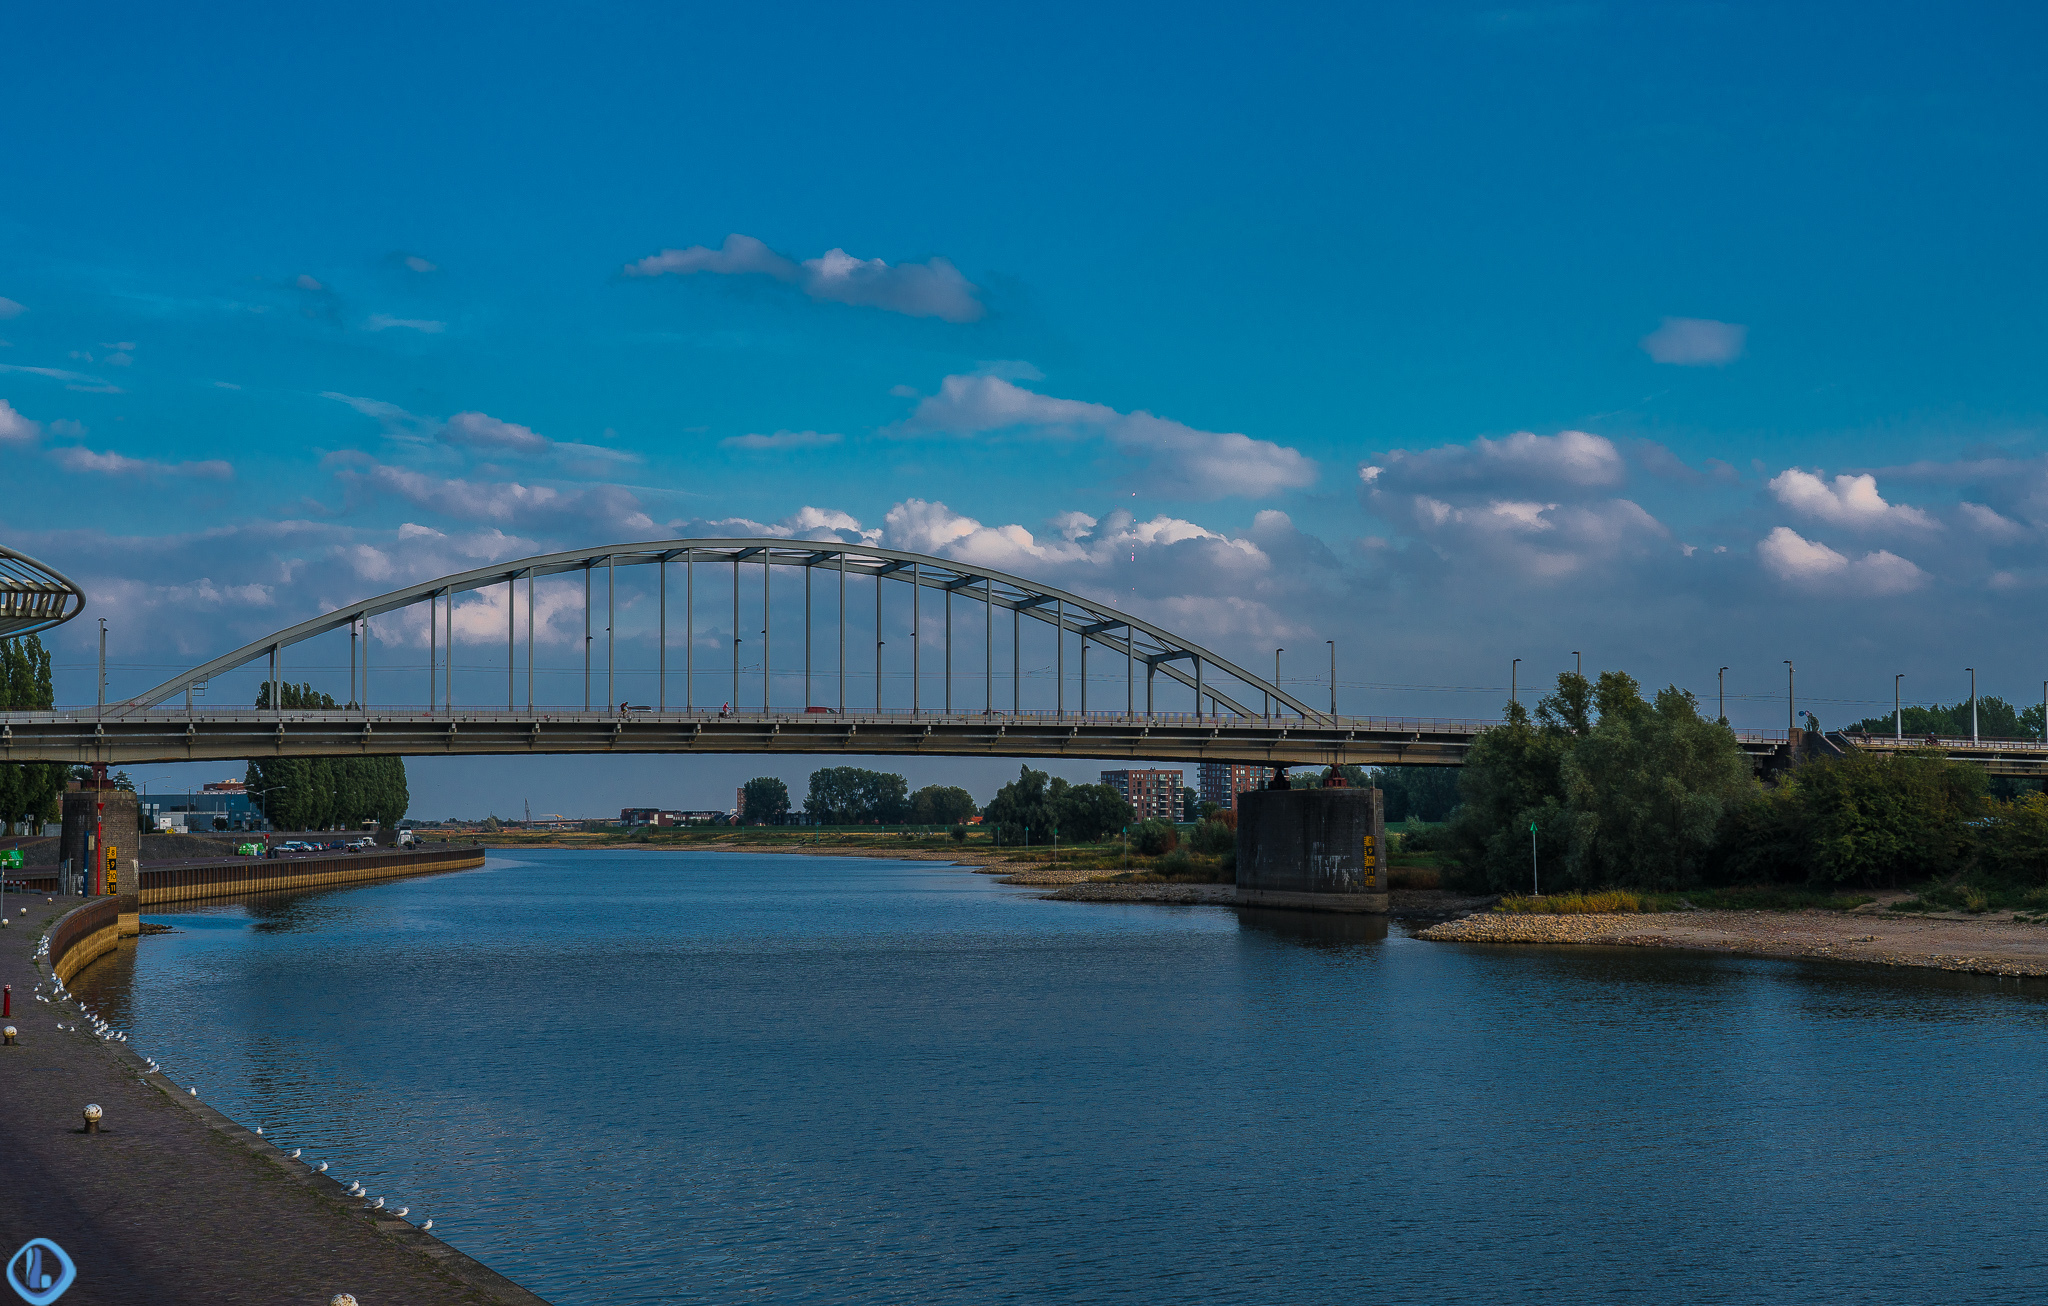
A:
{"points": [[1212, 838], [1155, 837], [959, 834], [1176, 863]]}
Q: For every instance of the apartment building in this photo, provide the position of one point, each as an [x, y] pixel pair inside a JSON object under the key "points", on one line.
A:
{"points": [[1151, 793], [1221, 782]]}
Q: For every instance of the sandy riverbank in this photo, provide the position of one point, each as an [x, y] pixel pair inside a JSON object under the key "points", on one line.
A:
{"points": [[982, 861], [1991, 947]]}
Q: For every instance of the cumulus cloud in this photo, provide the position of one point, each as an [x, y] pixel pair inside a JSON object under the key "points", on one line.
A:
{"points": [[1848, 501], [1811, 565], [806, 523], [13, 426], [1988, 521], [1542, 541], [78, 458], [1569, 459], [10, 308], [930, 289], [1695, 342], [385, 322], [783, 440], [1184, 462]]}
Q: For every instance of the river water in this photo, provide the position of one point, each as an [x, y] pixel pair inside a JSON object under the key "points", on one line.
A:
{"points": [[706, 1077]]}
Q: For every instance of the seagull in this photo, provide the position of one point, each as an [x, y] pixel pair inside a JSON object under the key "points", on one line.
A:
{"points": [[428, 1225], [377, 1205], [356, 1189], [296, 1151], [400, 1212], [323, 1168], [193, 1091], [259, 1129]]}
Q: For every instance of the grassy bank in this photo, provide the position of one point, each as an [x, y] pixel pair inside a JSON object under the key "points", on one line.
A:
{"points": [[1624, 902]]}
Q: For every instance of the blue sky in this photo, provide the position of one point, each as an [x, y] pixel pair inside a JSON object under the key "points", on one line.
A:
{"points": [[1456, 334]]}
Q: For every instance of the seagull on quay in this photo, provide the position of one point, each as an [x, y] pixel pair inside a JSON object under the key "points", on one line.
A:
{"points": [[400, 1212], [428, 1225], [296, 1151], [377, 1205], [323, 1168]]}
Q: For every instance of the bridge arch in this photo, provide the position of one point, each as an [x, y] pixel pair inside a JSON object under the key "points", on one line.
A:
{"points": [[1137, 641]]}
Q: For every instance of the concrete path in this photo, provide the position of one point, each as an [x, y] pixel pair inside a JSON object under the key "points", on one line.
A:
{"points": [[172, 1202]]}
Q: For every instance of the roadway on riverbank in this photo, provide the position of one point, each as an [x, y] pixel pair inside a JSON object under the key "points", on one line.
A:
{"points": [[172, 1202]]}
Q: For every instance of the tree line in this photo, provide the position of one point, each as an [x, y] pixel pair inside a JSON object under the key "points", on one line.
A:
{"points": [[1605, 788], [1034, 803], [29, 791], [324, 793]]}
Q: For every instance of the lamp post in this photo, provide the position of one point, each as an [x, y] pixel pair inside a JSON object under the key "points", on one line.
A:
{"points": [[1899, 710], [1721, 677], [1973, 703], [1514, 681], [1278, 708], [1578, 664], [1791, 717], [1333, 680]]}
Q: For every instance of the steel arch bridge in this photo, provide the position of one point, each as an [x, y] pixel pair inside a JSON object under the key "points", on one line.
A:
{"points": [[166, 724]]}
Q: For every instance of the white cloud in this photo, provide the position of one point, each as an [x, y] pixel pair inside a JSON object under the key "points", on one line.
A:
{"points": [[607, 507], [1849, 501], [1184, 461], [482, 431], [54, 373], [306, 282], [13, 426], [9, 308], [783, 440], [932, 289], [418, 264], [384, 322], [1569, 459], [78, 458], [1990, 522], [1811, 565], [1542, 541], [1695, 342]]}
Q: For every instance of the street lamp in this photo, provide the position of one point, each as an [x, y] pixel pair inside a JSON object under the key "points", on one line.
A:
{"points": [[1514, 680], [1333, 679], [1578, 665], [1722, 677], [1973, 703], [1791, 717], [1277, 708], [1899, 710]]}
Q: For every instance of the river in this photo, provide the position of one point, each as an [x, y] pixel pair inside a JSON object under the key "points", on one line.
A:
{"points": [[708, 1077]]}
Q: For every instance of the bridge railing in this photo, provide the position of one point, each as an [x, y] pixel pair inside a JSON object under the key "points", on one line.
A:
{"points": [[1951, 743], [637, 713]]}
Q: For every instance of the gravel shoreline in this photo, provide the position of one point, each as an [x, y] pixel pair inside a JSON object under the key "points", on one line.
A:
{"points": [[1987, 947]]}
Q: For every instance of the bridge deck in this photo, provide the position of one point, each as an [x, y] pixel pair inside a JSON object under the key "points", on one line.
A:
{"points": [[126, 736]]}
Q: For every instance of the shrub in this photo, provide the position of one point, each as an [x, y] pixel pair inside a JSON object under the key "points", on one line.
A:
{"points": [[1176, 862], [959, 834], [1156, 837], [1213, 837]]}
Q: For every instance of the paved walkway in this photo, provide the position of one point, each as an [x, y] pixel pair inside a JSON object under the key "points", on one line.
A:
{"points": [[172, 1202]]}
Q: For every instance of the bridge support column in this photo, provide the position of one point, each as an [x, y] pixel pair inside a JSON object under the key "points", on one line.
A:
{"points": [[1313, 849]]}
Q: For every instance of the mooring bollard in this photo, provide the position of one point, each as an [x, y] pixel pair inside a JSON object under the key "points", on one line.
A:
{"points": [[92, 1118], [7, 1036], [6, 999]]}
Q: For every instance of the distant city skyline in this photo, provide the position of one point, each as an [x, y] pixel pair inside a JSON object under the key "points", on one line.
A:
{"points": [[1678, 338]]}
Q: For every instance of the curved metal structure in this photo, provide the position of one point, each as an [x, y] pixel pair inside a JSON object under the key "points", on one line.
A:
{"points": [[34, 596], [1134, 640]]}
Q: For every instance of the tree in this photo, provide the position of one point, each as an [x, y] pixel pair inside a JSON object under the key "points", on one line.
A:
{"points": [[848, 795], [1876, 820], [1996, 719], [1042, 803], [1155, 837], [764, 800], [29, 791], [1620, 791], [941, 805], [1422, 793], [323, 793]]}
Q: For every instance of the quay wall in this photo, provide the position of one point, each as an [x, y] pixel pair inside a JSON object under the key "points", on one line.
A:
{"points": [[95, 929]]}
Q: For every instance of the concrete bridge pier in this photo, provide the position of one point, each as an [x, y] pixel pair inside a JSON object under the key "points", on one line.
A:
{"points": [[1319, 849]]}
